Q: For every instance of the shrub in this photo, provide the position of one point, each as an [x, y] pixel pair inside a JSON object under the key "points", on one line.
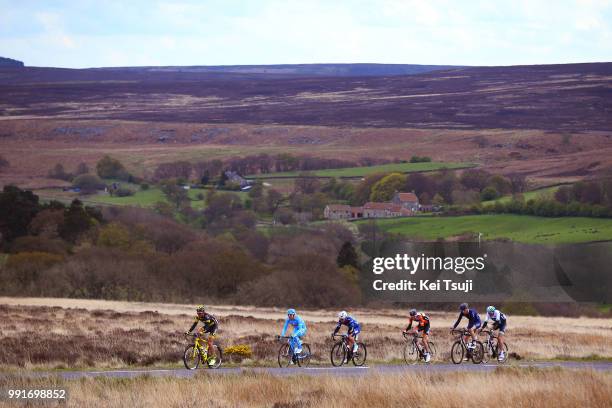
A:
{"points": [[109, 168], [489, 193], [420, 159], [88, 183], [124, 192]]}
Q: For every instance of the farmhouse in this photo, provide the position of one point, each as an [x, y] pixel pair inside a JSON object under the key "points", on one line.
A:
{"points": [[406, 200], [409, 205]]}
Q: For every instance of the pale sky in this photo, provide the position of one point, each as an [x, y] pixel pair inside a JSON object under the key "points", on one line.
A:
{"points": [[87, 33]]}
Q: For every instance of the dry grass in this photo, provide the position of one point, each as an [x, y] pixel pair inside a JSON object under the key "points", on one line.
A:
{"points": [[116, 334], [505, 387]]}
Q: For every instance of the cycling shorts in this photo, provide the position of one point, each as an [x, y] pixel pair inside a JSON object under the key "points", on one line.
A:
{"points": [[476, 324], [501, 326], [424, 329], [355, 332]]}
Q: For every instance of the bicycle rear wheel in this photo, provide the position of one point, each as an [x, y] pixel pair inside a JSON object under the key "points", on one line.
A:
{"points": [[432, 349], [215, 357], [457, 352], [359, 357], [191, 357], [489, 352], [284, 356], [410, 353], [478, 353], [304, 357], [338, 354]]}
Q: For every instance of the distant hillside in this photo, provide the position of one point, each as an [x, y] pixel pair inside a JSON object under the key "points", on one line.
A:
{"points": [[8, 63], [301, 69], [570, 97]]}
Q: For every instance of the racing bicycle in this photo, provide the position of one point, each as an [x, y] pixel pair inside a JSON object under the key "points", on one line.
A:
{"points": [[197, 352], [286, 354], [491, 348], [414, 351], [460, 350], [340, 353]]}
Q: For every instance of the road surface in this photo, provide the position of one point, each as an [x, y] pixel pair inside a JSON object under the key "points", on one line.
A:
{"points": [[314, 370]]}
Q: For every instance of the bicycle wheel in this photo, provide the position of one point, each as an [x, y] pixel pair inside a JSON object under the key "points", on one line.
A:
{"points": [[503, 360], [359, 357], [489, 352], [478, 353], [284, 356], [215, 358], [410, 353], [432, 349], [457, 352], [304, 357], [338, 354], [191, 357]]}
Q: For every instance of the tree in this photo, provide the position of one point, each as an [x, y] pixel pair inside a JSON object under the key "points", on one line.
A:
{"points": [[58, 172], [88, 183], [489, 193], [109, 168], [17, 209], [475, 179], [364, 188], [175, 194], [76, 221], [274, 199], [384, 189], [306, 184], [347, 256]]}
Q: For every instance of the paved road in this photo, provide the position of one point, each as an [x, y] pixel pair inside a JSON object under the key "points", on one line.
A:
{"points": [[338, 371]]}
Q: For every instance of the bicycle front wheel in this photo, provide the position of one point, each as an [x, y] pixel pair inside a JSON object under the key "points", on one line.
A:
{"points": [[410, 353], [489, 352], [191, 357], [338, 354], [457, 352], [478, 353], [359, 357], [215, 357], [304, 357], [284, 356], [503, 360]]}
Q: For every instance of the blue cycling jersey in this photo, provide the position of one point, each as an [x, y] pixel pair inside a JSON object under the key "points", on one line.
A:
{"points": [[352, 324], [472, 316], [298, 325]]}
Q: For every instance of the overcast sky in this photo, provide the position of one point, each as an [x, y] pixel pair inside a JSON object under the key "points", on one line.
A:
{"points": [[463, 32]]}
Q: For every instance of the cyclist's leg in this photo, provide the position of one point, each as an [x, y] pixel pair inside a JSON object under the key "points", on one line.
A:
{"points": [[355, 337], [426, 338], [297, 338], [500, 336]]}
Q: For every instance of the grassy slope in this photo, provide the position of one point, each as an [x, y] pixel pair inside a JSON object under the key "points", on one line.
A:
{"points": [[519, 228], [546, 192], [364, 171]]}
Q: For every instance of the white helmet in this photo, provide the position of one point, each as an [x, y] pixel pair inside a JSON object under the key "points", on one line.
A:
{"points": [[342, 315]]}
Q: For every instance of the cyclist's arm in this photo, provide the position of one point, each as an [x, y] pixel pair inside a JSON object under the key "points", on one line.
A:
{"points": [[409, 325], [193, 326], [337, 328], [458, 320], [214, 326], [285, 328]]}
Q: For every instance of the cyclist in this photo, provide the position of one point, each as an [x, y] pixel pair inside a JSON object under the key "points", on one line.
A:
{"points": [[422, 326], [353, 330], [299, 330], [474, 323], [210, 324], [499, 323]]}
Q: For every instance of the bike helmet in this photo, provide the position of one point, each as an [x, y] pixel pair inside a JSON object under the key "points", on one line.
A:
{"points": [[291, 312], [463, 306], [200, 309], [491, 309], [342, 315], [413, 312]]}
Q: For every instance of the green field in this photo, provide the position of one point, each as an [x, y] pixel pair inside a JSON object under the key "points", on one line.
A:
{"points": [[365, 171], [520, 228], [141, 198], [546, 192]]}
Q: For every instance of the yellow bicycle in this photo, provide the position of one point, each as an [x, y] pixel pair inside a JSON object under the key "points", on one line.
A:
{"points": [[197, 352]]}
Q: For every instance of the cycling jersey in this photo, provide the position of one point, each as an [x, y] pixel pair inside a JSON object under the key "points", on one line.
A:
{"points": [[209, 322], [352, 325], [422, 322], [473, 319], [498, 319], [299, 330]]}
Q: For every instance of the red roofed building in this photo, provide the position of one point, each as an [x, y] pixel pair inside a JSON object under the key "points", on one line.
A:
{"points": [[406, 200], [337, 212]]}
